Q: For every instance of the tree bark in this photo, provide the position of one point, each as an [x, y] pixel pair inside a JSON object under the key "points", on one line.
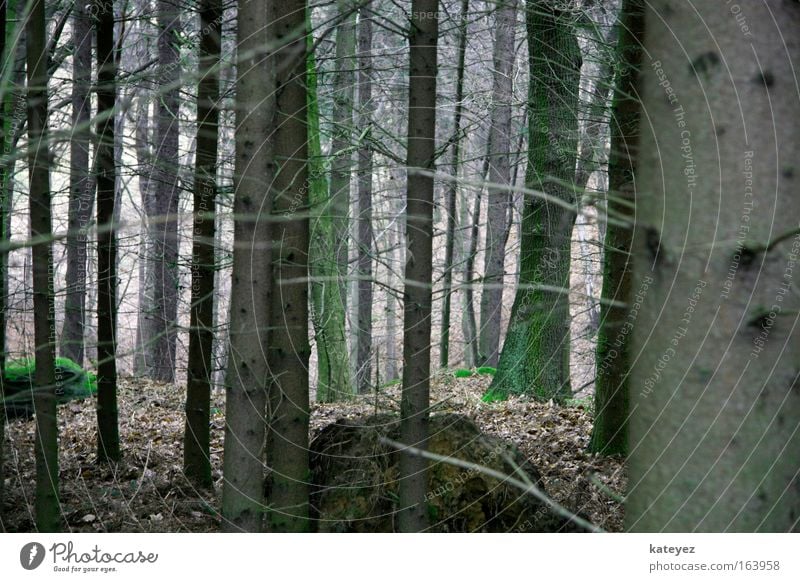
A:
{"points": [[158, 315], [248, 373], [470, 321], [364, 219], [288, 348], [452, 190], [341, 142], [46, 504], [5, 128], [196, 442], [498, 192], [331, 225], [81, 188], [535, 358], [610, 431], [108, 448], [715, 434], [413, 515]]}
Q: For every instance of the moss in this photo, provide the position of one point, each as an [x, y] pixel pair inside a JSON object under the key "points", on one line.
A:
{"points": [[73, 383], [487, 370], [462, 373], [493, 395]]}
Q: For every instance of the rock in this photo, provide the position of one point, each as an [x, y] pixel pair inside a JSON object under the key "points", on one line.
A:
{"points": [[355, 486]]}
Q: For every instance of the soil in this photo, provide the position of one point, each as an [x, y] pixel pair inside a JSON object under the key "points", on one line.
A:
{"points": [[147, 492]]}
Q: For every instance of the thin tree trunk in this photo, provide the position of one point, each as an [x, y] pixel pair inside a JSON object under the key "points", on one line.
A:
{"points": [[471, 357], [47, 505], [715, 434], [108, 448], [535, 358], [365, 235], [288, 348], [610, 432], [5, 128], [196, 441], [452, 190], [81, 188], [341, 142], [248, 373], [499, 193], [414, 408]]}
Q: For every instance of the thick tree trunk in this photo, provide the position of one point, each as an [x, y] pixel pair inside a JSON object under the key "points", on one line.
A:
{"points": [[499, 193], [158, 315], [45, 384], [196, 441], [715, 432], [535, 358], [413, 515], [108, 448], [248, 373], [288, 348], [610, 432], [81, 188], [452, 191]]}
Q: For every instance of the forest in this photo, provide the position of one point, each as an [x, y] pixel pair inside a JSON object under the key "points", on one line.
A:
{"points": [[379, 266]]}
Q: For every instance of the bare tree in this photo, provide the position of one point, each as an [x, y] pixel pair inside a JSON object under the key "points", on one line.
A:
{"points": [[46, 439], [81, 187], [499, 192], [196, 441], [288, 348], [248, 374], [364, 218], [421, 148]]}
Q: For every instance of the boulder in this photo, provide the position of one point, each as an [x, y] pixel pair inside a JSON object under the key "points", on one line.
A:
{"points": [[355, 480]]}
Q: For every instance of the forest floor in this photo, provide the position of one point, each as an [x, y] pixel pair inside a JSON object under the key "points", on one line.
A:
{"points": [[147, 492]]}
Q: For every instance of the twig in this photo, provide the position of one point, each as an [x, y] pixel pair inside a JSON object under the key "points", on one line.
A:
{"points": [[527, 488]]}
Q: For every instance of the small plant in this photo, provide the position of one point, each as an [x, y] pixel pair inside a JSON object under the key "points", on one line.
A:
{"points": [[487, 371], [463, 373]]}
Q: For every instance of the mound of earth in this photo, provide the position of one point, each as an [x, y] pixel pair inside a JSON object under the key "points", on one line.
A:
{"points": [[355, 479]]}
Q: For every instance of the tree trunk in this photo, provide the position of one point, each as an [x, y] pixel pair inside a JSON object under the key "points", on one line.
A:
{"points": [[470, 322], [196, 441], [81, 188], [288, 348], [247, 375], [341, 143], [499, 193], [328, 322], [535, 358], [610, 432], [158, 315], [331, 225], [715, 434], [5, 128], [452, 190], [45, 384], [108, 431], [365, 247], [413, 515]]}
